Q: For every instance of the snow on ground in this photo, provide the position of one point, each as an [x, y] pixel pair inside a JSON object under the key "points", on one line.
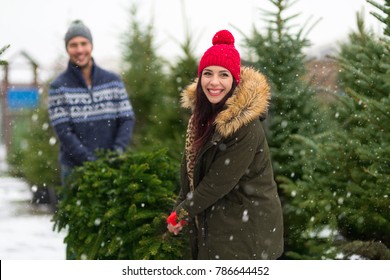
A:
{"points": [[26, 230]]}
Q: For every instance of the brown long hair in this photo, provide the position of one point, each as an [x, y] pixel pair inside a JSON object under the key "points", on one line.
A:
{"points": [[205, 113]]}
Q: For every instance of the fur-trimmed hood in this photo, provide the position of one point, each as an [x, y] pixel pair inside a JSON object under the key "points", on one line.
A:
{"points": [[249, 101]]}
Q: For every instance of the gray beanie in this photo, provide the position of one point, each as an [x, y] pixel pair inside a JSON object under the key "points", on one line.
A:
{"points": [[77, 28]]}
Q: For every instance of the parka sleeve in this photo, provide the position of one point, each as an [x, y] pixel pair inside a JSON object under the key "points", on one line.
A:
{"points": [[228, 167]]}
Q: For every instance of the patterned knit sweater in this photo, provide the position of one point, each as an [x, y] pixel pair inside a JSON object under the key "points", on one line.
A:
{"points": [[86, 119]]}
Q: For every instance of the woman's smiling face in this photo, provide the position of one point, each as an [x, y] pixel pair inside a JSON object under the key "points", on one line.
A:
{"points": [[216, 82]]}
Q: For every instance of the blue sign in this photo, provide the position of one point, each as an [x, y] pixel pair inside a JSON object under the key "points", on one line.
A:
{"points": [[22, 98]]}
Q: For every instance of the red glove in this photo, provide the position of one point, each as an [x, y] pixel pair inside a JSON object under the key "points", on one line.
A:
{"points": [[172, 219]]}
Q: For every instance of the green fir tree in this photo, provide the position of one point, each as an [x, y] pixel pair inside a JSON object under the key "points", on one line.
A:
{"points": [[182, 73], [343, 197], [278, 53], [154, 85], [145, 81], [116, 208]]}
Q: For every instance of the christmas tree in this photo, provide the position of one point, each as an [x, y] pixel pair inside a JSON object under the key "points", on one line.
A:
{"points": [[295, 110], [116, 208], [343, 197], [278, 53]]}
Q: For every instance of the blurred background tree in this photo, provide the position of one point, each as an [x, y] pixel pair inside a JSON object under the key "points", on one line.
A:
{"points": [[154, 85], [278, 52], [34, 153], [144, 79], [295, 107], [343, 195]]}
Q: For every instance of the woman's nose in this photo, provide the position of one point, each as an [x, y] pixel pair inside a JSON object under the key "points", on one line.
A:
{"points": [[214, 80]]}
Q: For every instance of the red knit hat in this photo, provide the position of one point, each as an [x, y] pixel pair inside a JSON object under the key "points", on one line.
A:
{"points": [[222, 53]]}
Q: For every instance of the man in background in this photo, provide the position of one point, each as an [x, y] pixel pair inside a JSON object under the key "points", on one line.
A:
{"points": [[89, 107]]}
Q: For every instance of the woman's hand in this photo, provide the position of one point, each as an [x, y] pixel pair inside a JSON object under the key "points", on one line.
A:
{"points": [[174, 226], [175, 229]]}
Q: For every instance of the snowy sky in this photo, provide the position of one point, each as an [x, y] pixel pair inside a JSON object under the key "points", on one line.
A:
{"points": [[38, 26]]}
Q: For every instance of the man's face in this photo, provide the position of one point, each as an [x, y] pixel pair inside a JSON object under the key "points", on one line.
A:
{"points": [[79, 50]]}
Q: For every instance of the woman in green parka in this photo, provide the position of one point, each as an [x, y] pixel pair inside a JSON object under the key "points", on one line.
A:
{"points": [[228, 196]]}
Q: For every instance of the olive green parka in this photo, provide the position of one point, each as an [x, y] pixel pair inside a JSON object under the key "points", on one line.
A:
{"points": [[234, 211]]}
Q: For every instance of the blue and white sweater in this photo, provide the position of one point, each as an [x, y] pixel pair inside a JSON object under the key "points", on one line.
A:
{"points": [[89, 119]]}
